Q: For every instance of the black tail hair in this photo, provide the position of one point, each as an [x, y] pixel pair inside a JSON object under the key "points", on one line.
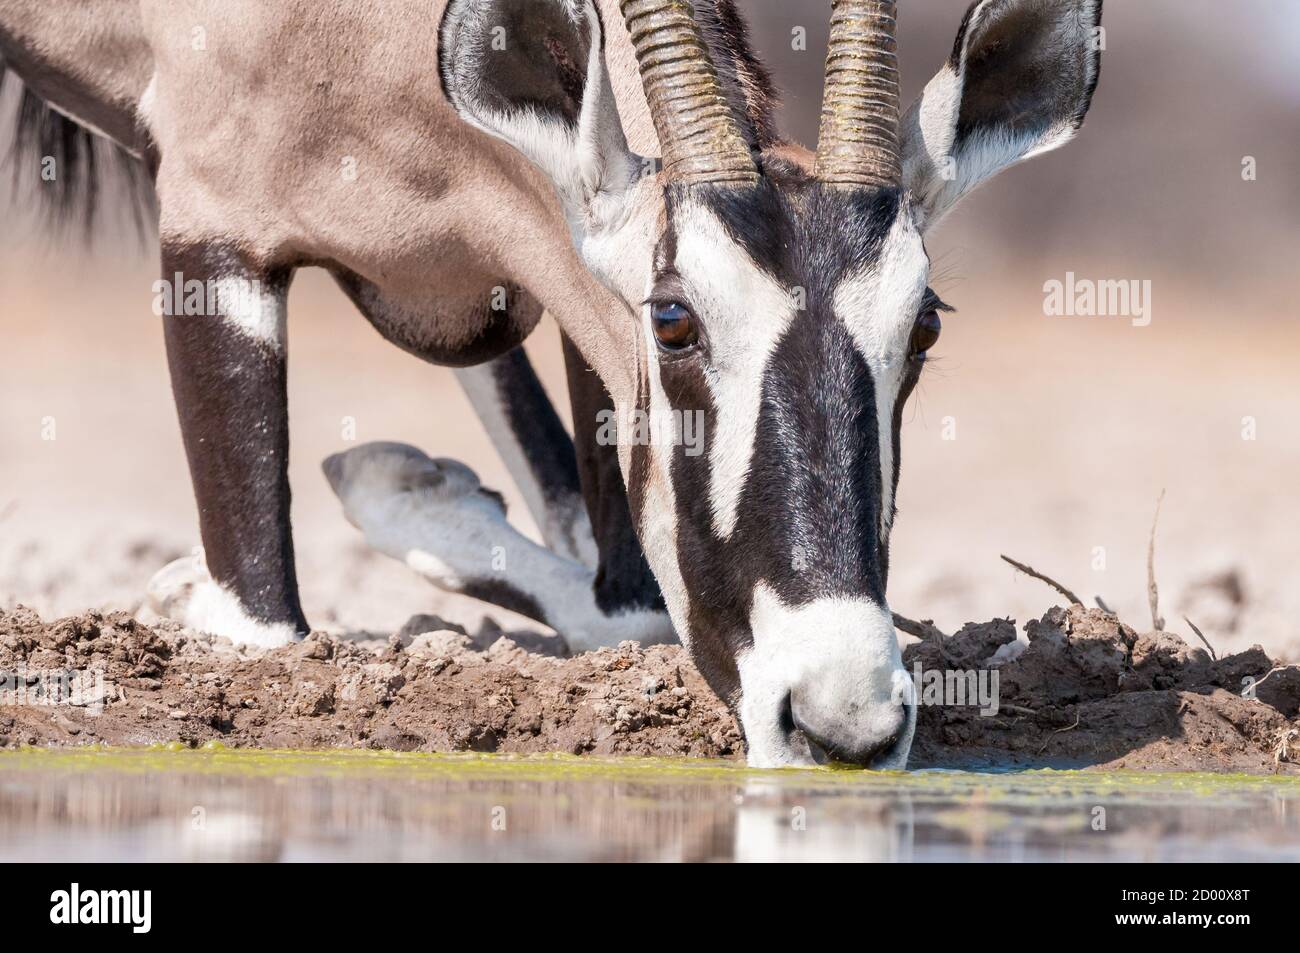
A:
{"points": [[91, 171]]}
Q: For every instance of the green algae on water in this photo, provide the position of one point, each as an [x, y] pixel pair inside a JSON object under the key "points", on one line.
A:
{"points": [[214, 758]]}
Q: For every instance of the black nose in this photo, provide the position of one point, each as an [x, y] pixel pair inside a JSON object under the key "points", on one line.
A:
{"points": [[838, 741]]}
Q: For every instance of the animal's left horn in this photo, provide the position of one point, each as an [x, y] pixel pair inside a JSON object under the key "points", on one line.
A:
{"points": [[858, 142], [698, 134]]}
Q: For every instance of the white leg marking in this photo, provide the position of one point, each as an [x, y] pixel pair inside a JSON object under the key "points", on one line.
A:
{"points": [[185, 592], [254, 310]]}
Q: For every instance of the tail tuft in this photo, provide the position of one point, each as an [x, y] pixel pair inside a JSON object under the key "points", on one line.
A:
{"points": [[89, 172]]}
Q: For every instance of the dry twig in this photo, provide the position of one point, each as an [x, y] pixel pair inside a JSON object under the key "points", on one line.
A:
{"points": [[925, 629], [1287, 748], [1153, 594], [1275, 668], [1201, 635], [1057, 732], [1017, 710], [1030, 571]]}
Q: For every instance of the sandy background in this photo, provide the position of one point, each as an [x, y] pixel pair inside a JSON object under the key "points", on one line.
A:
{"points": [[1067, 429]]}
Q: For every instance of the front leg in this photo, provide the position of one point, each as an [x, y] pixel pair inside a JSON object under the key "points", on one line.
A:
{"points": [[224, 322], [517, 414], [435, 516]]}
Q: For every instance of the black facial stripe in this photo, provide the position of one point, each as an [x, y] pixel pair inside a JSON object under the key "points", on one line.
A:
{"points": [[666, 248], [814, 492], [808, 519]]}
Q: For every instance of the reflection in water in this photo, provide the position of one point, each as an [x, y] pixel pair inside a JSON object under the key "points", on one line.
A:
{"points": [[245, 805]]}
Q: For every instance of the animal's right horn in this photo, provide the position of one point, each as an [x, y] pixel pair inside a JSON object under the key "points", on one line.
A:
{"points": [[698, 133], [858, 143]]}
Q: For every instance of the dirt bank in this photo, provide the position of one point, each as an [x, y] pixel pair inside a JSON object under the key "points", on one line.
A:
{"points": [[1083, 690]]}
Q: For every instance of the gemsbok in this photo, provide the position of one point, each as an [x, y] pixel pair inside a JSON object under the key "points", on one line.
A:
{"points": [[460, 165]]}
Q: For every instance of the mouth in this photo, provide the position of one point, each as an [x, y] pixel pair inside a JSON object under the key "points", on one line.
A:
{"points": [[799, 740]]}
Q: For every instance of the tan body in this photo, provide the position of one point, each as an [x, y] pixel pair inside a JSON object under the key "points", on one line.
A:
{"points": [[779, 296], [301, 133], [278, 137]]}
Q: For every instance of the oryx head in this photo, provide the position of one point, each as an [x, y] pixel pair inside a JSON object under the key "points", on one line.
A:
{"points": [[780, 297]]}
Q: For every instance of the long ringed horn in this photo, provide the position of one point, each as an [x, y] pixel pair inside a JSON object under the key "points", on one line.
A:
{"points": [[857, 146], [698, 133]]}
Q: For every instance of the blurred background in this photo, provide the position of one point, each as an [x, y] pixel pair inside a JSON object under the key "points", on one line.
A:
{"points": [[1045, 438]]}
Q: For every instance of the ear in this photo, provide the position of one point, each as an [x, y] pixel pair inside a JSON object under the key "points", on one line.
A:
{"points": [[532, 72], [1018, 84]]}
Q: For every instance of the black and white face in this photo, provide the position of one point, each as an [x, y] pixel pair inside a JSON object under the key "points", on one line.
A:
{"points": [[783, 325], [791, 321]]}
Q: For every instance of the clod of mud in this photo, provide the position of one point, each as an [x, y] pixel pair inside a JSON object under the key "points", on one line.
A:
{"points": [[1083, 690], [429, 689], [1088, 690]]}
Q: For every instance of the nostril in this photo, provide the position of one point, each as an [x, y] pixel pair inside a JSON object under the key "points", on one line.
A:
{"points": [[788, 725]]}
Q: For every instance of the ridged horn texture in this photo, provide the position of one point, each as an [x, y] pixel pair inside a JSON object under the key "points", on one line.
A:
{"points": [[698, 133], [858, 142]]}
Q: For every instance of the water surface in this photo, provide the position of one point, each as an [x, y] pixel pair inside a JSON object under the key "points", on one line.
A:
{"points": [[218, 804]]}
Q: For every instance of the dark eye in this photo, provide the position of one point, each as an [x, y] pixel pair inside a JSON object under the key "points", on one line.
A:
{"points": [[926, 333], [674, 325]]}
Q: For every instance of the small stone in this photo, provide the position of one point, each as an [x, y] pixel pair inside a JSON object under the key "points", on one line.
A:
{"points": [[420, 624]]}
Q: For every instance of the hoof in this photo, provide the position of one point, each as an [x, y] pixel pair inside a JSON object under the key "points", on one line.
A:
{"points": [[184, 592]]}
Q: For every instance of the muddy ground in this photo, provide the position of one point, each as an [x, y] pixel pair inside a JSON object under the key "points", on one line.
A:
{"points": [[1083, 689]]}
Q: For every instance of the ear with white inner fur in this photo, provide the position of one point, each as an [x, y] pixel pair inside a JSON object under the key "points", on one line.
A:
{"points": [[532, 72], [1018, 84]]}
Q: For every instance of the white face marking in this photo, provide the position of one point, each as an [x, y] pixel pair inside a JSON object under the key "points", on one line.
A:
{"points": [[879, 307], [745, 312], [842, 655], [659, 513]]}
